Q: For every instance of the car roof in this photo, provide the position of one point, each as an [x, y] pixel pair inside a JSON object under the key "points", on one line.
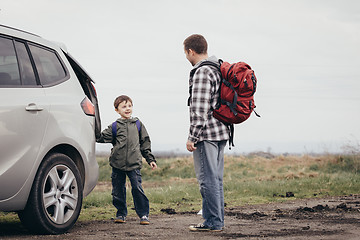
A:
{"points": [[18, 33], [16, 29]]}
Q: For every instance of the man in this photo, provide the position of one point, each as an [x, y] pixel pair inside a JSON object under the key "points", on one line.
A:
{"points": [[207, 136]]}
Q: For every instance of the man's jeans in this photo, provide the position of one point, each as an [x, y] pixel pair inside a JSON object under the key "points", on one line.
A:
{"points": [[209, 169], [118, 180]]}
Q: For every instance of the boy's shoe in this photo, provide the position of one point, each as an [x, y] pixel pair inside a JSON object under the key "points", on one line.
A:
{"points": [[120, 219], [202, 228], [144, 220]]}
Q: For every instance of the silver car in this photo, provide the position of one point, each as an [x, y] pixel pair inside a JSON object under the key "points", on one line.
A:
{"points": [[49, 119]]}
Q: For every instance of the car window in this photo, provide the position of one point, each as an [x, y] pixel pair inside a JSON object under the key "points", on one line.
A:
{"points": [[48, 65], [26, 69], [9, 71]]}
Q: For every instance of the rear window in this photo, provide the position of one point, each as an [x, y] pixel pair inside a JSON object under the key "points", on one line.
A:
{"points": [[48, 65]]}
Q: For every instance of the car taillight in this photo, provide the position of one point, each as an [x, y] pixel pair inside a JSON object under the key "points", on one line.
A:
{"points": [[88, 107]]}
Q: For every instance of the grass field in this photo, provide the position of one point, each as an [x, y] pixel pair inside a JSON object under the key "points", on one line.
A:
{"points": [[250, 179]]}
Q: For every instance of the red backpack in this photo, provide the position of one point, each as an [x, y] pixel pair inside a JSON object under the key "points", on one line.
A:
{"points": [[237, 91], [238, 86]]}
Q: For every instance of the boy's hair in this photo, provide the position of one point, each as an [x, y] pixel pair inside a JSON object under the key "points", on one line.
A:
{"points": [[197, 43], [120, 99]]}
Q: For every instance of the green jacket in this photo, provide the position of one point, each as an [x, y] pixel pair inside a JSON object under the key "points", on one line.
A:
{"points": [[131, 145]]}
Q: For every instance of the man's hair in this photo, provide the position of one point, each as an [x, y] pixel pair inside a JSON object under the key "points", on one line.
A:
{"points": [[197, 43], [120, 99]]}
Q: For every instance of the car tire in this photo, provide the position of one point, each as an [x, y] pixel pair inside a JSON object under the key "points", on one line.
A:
{"points": [[56, 196]]}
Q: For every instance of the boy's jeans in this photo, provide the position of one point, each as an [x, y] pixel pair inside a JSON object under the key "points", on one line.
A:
{"points": [[209, 169], [118, 180]]}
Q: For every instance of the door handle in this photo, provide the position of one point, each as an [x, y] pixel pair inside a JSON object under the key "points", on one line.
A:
{"points": [[33, 107]]}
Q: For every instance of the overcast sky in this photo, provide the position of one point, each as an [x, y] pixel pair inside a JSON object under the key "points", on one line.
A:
{"points": [[306, 56]]}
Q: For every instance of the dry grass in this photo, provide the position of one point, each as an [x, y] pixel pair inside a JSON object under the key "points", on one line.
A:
{"points": [[280, 167]]}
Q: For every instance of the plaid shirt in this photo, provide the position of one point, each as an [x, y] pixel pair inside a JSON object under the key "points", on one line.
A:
{"points": [[204, 86]]}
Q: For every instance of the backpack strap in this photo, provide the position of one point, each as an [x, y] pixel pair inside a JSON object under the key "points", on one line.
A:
{"points": [[232, 105], [231, 136], [138, 125], [114, 130]]}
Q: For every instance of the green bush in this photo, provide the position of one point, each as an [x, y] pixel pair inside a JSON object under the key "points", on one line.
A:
{"points": [[345, 163]]}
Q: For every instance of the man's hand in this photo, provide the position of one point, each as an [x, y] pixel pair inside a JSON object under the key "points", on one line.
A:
{"points": [[153, 165], [190, 146]]}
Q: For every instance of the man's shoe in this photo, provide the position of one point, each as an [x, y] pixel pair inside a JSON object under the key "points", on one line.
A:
{"points": [[120, 219], [144, 220], [202, 228]]}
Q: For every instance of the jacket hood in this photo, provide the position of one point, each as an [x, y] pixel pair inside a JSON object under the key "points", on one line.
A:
{"points": [[210, 59], [122, 120]]}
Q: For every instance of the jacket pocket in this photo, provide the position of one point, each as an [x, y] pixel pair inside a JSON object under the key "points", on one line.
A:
{"points": [[118, 156]]}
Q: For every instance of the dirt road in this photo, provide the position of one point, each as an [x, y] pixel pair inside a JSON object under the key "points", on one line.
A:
{"points": [[331, 218]]}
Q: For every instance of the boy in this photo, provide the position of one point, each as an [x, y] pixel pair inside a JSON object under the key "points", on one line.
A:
{"points": [[132, 143]]}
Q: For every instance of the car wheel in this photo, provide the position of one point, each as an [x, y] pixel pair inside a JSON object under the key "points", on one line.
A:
{"points": [[55, 200]]}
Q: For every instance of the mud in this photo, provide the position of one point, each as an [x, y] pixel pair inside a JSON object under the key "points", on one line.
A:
{"points": [[326, 218]]}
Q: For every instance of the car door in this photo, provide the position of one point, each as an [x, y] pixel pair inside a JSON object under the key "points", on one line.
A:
{"points": [[89, 89], [23, 116]]}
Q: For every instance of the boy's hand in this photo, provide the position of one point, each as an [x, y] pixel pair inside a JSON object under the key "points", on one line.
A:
{"points": [[153, 165]]}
